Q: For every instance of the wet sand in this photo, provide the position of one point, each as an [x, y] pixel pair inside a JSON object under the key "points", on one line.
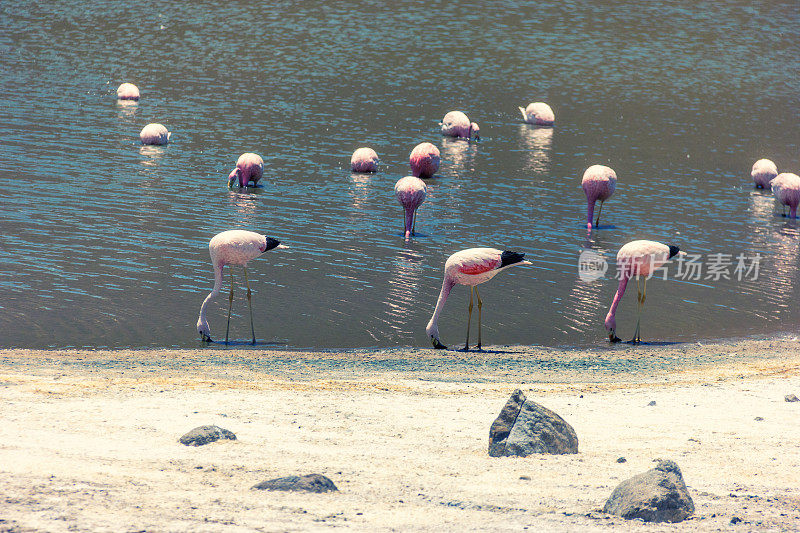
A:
{"points": [[88, 439]]}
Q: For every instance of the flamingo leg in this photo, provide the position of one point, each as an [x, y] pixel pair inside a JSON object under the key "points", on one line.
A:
{"points": [[597, 222], [640, 303], [469, 318], [480, 305], [414, 224], [250, 305], [230, 307]]}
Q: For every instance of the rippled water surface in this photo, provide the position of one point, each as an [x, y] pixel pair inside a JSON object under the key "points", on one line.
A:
{"points": [[104, 241]]}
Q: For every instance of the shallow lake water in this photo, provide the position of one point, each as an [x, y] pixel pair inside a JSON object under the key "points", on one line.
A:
{"points": [[104, 241]]}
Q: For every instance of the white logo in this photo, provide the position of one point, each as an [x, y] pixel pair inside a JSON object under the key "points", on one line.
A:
{"points": [[591, 266]]}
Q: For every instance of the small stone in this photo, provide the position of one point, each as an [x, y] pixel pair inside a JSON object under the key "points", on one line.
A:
{"points": [[652, 403], [791, 398], [658, 495], [759, 418], [735, 520], [308, 483], [525, 478], [622, 460], [204, 434]]}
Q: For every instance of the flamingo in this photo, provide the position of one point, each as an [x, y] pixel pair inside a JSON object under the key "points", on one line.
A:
{"points": [[457, 124], [763, 172], [538, 114], [233, 247], [598, 183], [786, 188], [470, 267], [410, 192], [424, 160], [364, 160], [127, 91], [640, 259], [155, 134], [249, 168]]}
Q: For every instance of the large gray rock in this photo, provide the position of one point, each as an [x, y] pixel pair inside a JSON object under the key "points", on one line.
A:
{"points": [[524, 427], [658, 495], [307, 483], [205, 434]]}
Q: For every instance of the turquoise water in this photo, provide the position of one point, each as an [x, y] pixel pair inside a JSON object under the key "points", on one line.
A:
{"points": [[104, 242]]}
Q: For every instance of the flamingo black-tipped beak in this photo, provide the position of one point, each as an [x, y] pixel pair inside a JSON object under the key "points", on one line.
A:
{"points": [[205, 338], [272, 243], [437, 343], [612, 337]]}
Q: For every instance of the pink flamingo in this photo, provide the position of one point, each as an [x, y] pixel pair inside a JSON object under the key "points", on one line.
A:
{"points": [[786, 188], [249, 168], [424, 160], [364, 160], [639, 259], [538, 114], [470, 267], [234, 247], [457, 124], [155, 134], [598, 183], [127, 91], [763, 172], [410, 192]]}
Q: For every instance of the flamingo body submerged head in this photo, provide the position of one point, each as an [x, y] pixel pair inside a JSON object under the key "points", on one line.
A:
{"points": [[786, 188], [155, 134], [411, 192], [233, 247], [457, 124], [470, 267], [424, 160], [763, 172], [599, 183], [127, 91], [364, 160], [538, 114], [249, 169]]}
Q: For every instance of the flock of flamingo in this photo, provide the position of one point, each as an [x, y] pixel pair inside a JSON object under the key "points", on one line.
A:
{"points": [[471, 267]]}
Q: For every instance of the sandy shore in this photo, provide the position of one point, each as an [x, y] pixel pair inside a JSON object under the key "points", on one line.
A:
{"points": [[88, 439]]}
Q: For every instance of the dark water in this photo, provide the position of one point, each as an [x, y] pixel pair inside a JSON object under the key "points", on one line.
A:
{"points": [[104, 242]]}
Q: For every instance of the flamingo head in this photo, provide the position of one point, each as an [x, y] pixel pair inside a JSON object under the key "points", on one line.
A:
{"points": [[611, 328], [433, 333], [674, 251], [270, 244], [475, 129], [203, 329], [233, 176]]}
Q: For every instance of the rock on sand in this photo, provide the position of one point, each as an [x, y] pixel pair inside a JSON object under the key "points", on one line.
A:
{"points": [[524, 427]]}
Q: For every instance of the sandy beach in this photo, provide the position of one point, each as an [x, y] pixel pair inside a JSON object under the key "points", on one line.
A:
{"points": [[89, 439]]}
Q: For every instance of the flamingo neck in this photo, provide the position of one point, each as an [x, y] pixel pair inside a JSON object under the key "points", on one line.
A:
{"points": [[409, 222], [214, 292], [623, 282], [590, 211], [433, 324]]}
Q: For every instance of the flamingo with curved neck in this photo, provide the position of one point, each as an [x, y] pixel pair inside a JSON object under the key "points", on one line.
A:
{"points": [[249, 169], [637, 259], [233, 247], [599, 183], [411, 192], [470, 267]]}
